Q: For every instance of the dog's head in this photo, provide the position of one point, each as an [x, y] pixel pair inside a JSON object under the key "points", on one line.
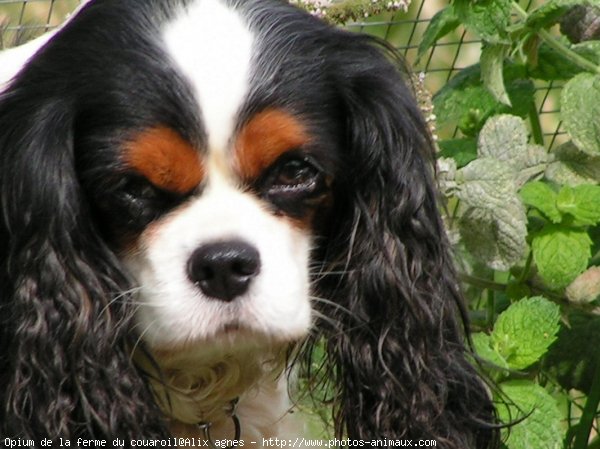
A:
{"points": [[215, 177]]}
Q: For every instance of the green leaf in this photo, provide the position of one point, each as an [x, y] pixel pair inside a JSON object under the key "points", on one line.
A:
{"points": [[495, 238], [550, 13], [482, 343], [441, 24], [493, 224], [492, 63], [568, 360], [552, 65], [541, 196], [524, 332], [485, 183], [466, 102], [582, 202], [580, 109], [488, 18], [504, 137], [572, 166], [462, 151], [560, 254], [540, 427]]}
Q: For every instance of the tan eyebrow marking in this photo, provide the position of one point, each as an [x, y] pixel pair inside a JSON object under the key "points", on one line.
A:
{"points": [[265, 137], [165, 159]]}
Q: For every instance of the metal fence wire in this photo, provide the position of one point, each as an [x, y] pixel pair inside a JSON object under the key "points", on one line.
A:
{"points": [[21, 20]]}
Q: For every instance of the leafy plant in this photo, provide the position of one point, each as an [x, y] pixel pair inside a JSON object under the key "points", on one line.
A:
{"points": [[526, 218]]}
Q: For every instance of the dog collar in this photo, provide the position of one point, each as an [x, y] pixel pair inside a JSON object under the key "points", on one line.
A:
{"points": [[205, 426]]}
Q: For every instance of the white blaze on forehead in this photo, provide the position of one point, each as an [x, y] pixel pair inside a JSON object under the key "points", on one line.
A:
{"points": [[212, 46]]}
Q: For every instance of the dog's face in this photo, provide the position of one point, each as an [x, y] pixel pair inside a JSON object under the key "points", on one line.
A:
{"points": [[210, 190], [232, 256]]}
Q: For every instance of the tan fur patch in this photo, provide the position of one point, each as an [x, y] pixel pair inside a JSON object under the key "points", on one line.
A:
{"points": [[262, 140], [165, 159]]}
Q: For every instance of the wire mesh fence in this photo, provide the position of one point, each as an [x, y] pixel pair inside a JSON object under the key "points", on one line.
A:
{"points": [[24, 19], [21, 20]]}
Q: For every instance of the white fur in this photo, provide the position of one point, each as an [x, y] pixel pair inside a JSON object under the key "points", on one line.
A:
{"points": [[264, 412], [212, 46]]}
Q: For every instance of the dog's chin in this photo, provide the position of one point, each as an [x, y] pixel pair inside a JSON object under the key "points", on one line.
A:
{"points": [[231, 339]]}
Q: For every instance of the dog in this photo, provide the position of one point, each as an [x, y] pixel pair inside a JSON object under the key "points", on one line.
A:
{"points": [[206, 201]]}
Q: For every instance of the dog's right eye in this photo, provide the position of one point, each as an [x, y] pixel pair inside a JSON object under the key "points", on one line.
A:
{"points": [[138, 188], [144, 202]]}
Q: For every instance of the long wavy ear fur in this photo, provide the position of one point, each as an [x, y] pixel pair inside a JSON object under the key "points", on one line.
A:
{"points": [[395, 350], [65, 368]]}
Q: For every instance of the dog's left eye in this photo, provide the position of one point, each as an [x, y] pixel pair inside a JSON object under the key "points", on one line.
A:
{"points": [[138, 189], [294, 176], [293, 183]]}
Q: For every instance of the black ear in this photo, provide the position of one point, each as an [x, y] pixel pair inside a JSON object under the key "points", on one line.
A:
{"points": [[394, 313], [65, 365]]}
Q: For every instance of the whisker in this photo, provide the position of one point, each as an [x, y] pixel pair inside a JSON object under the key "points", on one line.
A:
{"points": [[143, 303], [119, 297], [331, 303], [140, 337], [330, 272], [122, 299], [332, 321]]}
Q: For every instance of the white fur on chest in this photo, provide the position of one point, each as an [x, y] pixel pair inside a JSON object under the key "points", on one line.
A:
{"points": [[264, 412]]}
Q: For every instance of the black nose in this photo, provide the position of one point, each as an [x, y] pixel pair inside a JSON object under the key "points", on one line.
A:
{"points": [[224, 270]]}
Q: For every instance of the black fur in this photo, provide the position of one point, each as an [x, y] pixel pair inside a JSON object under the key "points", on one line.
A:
{"points": [[394, 324]]}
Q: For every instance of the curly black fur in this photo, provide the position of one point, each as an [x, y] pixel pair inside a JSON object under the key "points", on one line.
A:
{"points": [[65, 367]]}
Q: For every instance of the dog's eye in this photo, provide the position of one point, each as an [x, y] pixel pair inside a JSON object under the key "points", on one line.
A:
{"points": [[143, 202], [294, 184], [296, 174], [139, 189]]}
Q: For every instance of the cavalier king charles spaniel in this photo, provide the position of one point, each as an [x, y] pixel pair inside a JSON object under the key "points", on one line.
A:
{"points": [[204, 202]]}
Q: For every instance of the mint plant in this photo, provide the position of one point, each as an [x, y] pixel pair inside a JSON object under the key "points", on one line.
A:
{"points": [[525, 217], [519, 339]]}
